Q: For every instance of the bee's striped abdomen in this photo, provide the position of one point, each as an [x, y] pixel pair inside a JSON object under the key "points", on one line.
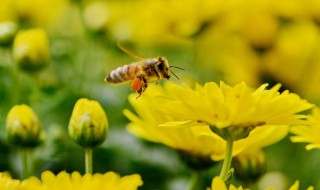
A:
{"points": [[124, 73]]}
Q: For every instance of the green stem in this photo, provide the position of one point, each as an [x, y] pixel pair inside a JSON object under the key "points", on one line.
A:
{"points": [[196, 181], [88, 160], [24, 163], [224, 175], [15, 77], [35, 97]]}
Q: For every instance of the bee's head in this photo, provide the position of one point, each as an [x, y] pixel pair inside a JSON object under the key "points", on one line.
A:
{"points": [[162, 68]]}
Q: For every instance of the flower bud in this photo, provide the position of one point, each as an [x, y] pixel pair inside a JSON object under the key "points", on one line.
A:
{"points": [[196, 162], [260, 28], [31, 49], [250, 165], [7, 32], [23, 127], [88, 123], [96, 15]]}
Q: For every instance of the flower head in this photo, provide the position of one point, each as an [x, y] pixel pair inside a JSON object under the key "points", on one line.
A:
{"points": [[31, 49], [74, 181], [193, 148], [96, 15], [63, 180], [44, 13], [219, 184], [295, 186], [197, 141], [23, 126], [7, 183], [88, 123], [238, 109], [308, 134]]}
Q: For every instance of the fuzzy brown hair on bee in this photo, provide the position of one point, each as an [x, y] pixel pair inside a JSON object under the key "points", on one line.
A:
{"points": [[140, 72]]}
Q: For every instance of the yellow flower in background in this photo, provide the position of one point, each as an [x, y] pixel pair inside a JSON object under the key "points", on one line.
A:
{"points": [[295, 186], [238, 107], [198, 141], [260, 28], [23, 126], [289, 63], [31, 49], [308, 134], [73, 181], [142, 25], [44, 13], [96, 15], [88, 123], [7, 11]]}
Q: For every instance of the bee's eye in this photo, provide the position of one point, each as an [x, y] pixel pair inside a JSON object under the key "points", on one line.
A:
{"points": [[161, 66]]}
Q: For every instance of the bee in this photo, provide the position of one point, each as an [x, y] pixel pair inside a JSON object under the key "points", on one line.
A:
{"points": [[141, 72]]}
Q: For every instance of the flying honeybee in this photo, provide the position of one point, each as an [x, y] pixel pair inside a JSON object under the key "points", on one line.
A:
{"points": [[141, 72]]}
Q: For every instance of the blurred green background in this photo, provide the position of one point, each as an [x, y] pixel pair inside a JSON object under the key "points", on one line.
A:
{"points": [[267, 41]]}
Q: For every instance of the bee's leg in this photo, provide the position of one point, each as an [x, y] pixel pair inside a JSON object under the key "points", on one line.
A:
{"points": [[144, 84], [139, 92], [158, 80]]}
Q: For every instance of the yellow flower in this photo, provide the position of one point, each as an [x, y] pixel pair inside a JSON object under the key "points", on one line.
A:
{"points": [[238, 109], [260, 28], [288, 63], [74, 181], [88, 123], [195, 149], [309, 134], [31, 49], [165, 28], [44, 13], [295, 186], [7, 183], [96, 15], [7, 11], [218, 184], [197, 141], [23, 126]]}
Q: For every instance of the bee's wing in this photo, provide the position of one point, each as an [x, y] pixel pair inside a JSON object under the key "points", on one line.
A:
{"points": [[134, 55]]}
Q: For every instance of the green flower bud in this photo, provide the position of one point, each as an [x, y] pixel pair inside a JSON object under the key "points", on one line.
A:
{"points": [[23, 127], [250, 165], [196, 162], [88, 123], [31, 49], [7, 32]]}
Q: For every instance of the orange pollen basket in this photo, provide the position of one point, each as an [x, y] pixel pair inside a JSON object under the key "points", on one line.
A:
{"points": [[136, 84]]}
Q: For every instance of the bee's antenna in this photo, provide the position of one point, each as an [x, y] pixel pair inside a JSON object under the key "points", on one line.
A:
{"points": [[176, 67], [174, 74]]}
